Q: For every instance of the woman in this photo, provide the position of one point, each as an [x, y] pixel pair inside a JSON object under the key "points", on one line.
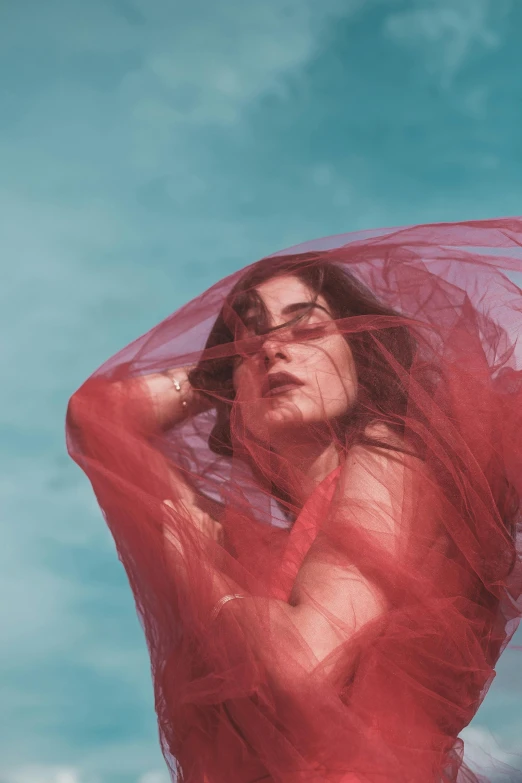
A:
{"points": [[313, 476]]}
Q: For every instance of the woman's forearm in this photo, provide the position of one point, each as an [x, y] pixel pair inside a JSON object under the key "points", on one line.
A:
{"points": [[158, 401], [114, 423], [172, 398], [266, 625]]}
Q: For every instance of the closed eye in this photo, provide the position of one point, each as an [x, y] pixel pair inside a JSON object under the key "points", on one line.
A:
{"points": [[303, 332]]}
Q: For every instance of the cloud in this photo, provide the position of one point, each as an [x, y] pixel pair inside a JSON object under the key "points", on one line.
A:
{"points": [[483, 754], [211, 77], [111, 159], [445, 32], [154, 776], [128, 83], [115, 96], [42, 774], [208, 71]]}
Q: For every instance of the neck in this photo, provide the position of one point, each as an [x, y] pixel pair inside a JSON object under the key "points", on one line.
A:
{"points": [[302, 460]]}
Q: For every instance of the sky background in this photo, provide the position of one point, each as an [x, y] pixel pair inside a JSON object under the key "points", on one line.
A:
{"points": [[148, 148]]}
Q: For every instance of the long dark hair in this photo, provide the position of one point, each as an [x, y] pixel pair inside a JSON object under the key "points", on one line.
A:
{"points": [[382, 392], [390, 353], [385, 352]]}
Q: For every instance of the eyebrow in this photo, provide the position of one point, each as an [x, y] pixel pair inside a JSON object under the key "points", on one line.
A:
{"points": [[289, 309], [292, 308]]}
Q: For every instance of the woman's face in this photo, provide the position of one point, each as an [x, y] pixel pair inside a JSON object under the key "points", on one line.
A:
{"points": [[297, 376]]}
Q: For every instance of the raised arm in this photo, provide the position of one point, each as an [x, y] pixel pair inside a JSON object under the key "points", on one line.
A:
{"points": [[332, 598], [114, 424]]}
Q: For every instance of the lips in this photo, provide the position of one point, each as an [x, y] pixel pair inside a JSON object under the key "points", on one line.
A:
{"points": [[279, 383]]}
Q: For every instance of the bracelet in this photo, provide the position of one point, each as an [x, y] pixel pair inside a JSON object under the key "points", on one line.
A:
{"points": [[222, 601], [177, 386]]}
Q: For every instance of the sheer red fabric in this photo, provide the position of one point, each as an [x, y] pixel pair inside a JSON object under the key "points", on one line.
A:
{"points": [[379, 590]]}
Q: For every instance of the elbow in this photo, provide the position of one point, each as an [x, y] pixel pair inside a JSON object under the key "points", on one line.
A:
{"points": [[78, 415], [78, 407], [74, 410], [102, 410], [75, 413], [89, 419], [93, 396], [74, 429], [89, 404]]}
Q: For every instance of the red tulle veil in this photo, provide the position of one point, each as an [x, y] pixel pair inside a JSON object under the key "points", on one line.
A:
{"points": [[376, 604]]}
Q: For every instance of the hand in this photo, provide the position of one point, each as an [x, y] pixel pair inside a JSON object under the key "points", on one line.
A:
{"points": [[201, 520]]}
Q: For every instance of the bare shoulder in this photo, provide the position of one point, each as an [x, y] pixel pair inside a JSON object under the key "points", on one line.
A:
{"points": [[389, 480], [395, 453], [382, 432]]}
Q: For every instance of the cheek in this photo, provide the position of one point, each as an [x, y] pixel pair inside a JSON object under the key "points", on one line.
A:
{"points": [[333, 364]]}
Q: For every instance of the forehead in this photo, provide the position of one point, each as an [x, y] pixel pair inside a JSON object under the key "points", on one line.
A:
{"points": [[279, 292]]}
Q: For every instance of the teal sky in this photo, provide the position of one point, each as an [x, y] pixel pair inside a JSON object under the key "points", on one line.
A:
{"points": [[148, 148]]}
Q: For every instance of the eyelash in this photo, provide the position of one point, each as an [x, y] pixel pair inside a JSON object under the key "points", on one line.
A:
{"points": [[306, 331]]}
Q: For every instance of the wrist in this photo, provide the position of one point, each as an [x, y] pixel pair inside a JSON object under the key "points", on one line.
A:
{"points": [[183, 391], [191, 402]]}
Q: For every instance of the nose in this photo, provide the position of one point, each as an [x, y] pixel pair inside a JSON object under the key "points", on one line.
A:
{"points": [[273, 349]]}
